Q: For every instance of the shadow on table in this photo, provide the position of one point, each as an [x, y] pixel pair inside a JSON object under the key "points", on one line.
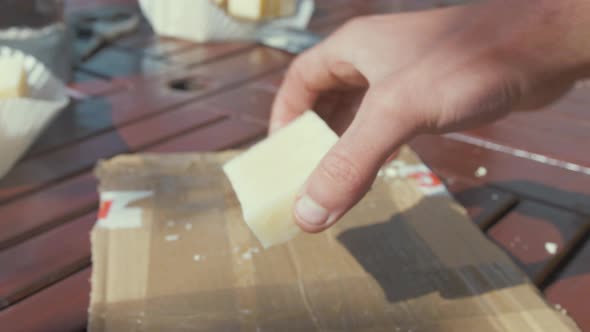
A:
{"points": [[562, 219], [576, 200], [430, 248]]}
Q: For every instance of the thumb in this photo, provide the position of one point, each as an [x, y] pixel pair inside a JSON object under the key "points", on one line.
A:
{"points": [[348, 170]]}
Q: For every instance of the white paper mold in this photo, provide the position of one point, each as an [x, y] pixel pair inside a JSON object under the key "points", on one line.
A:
{"points": [[23, 119]]}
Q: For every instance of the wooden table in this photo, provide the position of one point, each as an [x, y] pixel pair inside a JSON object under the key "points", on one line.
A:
{"points": [[524, 180]]}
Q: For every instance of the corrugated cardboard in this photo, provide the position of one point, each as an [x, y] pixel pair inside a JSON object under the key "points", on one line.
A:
{"points": [[172, 253]]}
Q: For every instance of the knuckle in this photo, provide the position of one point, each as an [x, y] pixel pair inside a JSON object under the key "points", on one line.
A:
{"points": [[396, 103], [342, 171], [356, 22]]}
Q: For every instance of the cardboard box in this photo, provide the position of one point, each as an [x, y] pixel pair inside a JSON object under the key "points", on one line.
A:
{"points": [[172, 253]]}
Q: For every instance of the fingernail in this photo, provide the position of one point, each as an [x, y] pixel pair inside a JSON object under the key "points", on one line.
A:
{"points": [[310, 212]]}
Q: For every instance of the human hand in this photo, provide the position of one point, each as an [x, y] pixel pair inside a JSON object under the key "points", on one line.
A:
{"points": [[381, 80]]}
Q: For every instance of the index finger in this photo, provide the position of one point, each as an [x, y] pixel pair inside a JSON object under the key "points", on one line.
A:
{"points": [[313, 72]]}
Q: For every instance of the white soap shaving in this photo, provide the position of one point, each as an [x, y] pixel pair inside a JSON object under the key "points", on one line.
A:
{"points": [[248, 254], [172, 237], [170, 223], [551, 248], [188, 226], [391, 172], [481, 172]]}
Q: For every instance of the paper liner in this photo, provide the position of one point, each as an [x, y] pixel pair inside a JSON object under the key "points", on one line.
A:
{"points": [[24, 33], [23, 119], [202, 20], [51, 45]]}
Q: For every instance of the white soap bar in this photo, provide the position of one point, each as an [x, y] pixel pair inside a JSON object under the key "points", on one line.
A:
{"points": [[13, 78], [268, 177], [261, 9]]}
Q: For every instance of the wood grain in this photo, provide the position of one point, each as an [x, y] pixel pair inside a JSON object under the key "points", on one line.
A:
{"points": [[571, 289], [549, 184], [61, 307], [39, 212], [44, 259], [485, 205], [537, 237]]}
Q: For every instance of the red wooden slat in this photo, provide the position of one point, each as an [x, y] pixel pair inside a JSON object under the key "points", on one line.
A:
{"points": [[252, 101], [32, 214], [101, 87], [154, 94], [538, 236], [59, 308], [155, 46], [221, 135], [568, 189], [545, 133], [571, 289], [79, 120], [34, 173], [202, 53], [44, 259], [484, 204]]}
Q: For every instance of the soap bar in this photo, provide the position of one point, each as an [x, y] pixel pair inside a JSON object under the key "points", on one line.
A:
{"points": [[261, 9], [13, 78], [268, 177]]}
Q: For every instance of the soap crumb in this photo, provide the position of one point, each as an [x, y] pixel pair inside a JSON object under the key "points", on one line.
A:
{"points": [[188, 226], [248, 254], [391, 172], [172, 237], [197, 258], [551, 248], [398, 163], [246, 311], [481, 172], [170, 223], [558, 306]]}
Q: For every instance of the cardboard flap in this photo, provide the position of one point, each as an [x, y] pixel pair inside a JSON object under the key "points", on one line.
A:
{"points": [[401, 260]]}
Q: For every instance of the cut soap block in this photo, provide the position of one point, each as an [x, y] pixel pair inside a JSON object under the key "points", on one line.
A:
{"points": [[13, 78], [268, 177], [257, 10]]}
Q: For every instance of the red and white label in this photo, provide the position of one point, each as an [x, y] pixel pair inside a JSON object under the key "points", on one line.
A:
{"points": [[427, 181], [115, 210]]}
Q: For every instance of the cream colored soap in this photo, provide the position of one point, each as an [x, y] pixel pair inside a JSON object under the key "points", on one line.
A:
{"points": [[261, 9], [13, 78], [267, 177]]}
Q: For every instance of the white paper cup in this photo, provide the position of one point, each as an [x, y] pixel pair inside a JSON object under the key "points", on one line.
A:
{"points": [[23, 119]]}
